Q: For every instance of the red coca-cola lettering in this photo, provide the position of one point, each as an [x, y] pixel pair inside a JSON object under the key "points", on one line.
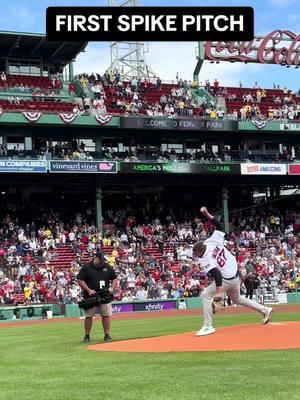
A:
{"points": [[294, 50], [246, 47], [265, 51]]}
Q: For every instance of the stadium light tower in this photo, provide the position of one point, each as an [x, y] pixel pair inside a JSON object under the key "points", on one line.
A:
{"points": [[129, 57]]}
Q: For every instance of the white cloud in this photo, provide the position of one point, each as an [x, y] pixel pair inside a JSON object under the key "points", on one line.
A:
{"points": [[95, 59]]}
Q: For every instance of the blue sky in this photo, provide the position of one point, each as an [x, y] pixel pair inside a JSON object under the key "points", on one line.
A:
{"points": [[169, 58]]}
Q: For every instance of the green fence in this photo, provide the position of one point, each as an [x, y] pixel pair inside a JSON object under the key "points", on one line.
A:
{"points": [[193, 303], [29, 311], [73, 311], [293, 298]]}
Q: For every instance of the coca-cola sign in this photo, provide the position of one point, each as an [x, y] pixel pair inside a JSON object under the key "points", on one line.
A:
{"points": [[278, 47]]}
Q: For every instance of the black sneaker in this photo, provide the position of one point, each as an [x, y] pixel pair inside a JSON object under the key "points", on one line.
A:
{"points": [[107, 338], [86, 339]]}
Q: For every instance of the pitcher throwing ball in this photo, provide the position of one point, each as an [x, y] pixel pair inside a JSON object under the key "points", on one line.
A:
{"points": [[217, 260]]}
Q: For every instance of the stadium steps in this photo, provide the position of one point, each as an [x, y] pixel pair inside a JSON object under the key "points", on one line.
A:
{"points": [[64, 260], [200, 93], [66, 256], [80, 90]]}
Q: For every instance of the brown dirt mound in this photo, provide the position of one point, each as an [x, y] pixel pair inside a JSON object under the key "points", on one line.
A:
{"points": [[274, 336]]}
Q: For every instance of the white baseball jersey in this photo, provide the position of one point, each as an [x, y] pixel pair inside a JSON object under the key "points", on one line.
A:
{"points": [[216, 255]]}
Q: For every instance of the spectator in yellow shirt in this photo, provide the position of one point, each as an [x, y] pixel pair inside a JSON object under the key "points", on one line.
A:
{"points": [[270, 112], [115, 253], [213, 114], [106, 242], [47, 233], [76, 154], [128, 107], [111, 261], [28, 290]]}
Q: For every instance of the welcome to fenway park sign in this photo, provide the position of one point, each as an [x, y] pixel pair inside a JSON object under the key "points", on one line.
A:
{"points": [[278, 47], [189, 124]]}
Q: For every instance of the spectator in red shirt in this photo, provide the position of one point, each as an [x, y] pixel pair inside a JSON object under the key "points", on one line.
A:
{"points": [[71, 88], [57, 84], [216, 86], [156, 275]]}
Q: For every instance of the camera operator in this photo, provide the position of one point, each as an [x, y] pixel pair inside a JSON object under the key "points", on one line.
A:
{"points": [[97, 278]]}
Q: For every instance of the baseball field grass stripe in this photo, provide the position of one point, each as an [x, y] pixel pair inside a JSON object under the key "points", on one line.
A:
{"points": [[50, 362]]}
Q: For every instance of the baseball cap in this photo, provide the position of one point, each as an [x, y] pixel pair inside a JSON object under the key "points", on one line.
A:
{"points": [[99, 255]]}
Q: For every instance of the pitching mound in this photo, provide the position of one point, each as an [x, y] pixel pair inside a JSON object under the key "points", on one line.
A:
{"points": [[274, 336]]}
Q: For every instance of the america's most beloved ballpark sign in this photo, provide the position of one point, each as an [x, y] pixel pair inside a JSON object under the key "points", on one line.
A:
{"points": [[179, 168], [278, 47]]}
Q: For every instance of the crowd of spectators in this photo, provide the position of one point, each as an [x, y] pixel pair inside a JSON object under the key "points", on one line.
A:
{"points": [[109, 91], [91, 84], [150, 257], [77, 150], [285, 112], [132, 97], [73, 150], [283, 107], [154, 153], [53, 89]]}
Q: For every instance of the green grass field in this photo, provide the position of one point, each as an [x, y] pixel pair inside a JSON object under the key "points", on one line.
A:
{"points": [[50, 362]]}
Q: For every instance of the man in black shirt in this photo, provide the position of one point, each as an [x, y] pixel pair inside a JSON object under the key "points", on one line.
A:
{"points": [[93, 278], [249, 284]]}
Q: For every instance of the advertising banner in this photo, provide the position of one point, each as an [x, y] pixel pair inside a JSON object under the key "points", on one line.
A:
{"points": [[190, 124], [155, 306], [220, 169], [22, 166], [85, 167], [290, 127], [179, 168], [294, 169], [122, 308], [268, 125], [257, 50], [263, 169]]}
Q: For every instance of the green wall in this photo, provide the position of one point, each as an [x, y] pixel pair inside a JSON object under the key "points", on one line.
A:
{"points": [[293, 298], [193, 303]]}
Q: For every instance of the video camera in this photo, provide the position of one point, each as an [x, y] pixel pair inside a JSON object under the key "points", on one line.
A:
{"points": [[101, 297]]}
